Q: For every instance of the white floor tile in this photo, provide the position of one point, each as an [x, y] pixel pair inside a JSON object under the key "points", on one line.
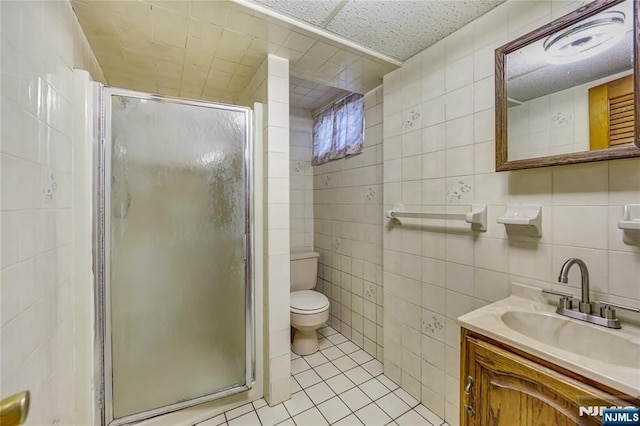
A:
{"points": [[310, 418], [344, 363], [324, 343], [316, 359], [429, 415], [348, 347], [372, 415], [327, 331], [215, 421], [388, 382], [351, 420], [327, 370], [259, 403], [332, 353], [340, 383], [334, 409], [237, 412], [249, 419], [307, 378], [355, 399], [412, 418], [270, 416], [288, 422], [374, 389], [358, 375], [392, 405], [320, 393], [360, 357], [374, 367], [294, 355], [337, 338], [299, 365], [294, 386], [298, 403], [404, 395]]}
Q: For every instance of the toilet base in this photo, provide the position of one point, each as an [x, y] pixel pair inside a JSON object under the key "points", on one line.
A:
{"points": [[305, 338], [305, 342]]}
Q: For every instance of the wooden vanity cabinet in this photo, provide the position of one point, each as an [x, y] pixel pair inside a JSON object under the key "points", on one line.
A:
{"points": [[504, 386]]}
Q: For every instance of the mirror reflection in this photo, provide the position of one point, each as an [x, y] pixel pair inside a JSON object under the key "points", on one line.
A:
{"points": [[572, 91]]}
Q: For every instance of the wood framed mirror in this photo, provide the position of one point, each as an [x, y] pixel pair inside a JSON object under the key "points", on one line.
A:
{"points": [[568, 92]]}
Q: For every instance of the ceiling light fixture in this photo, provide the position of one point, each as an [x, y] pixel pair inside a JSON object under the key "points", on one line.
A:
{"points": [[587, 39]]}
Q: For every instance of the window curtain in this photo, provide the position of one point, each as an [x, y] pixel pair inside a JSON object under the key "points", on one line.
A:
{"points": [[338, 130]]}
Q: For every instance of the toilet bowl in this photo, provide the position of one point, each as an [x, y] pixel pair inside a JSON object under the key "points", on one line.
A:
{"points": [[309, 308]]}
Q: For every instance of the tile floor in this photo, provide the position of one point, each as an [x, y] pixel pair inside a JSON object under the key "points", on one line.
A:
{"points": [[339, 385]]}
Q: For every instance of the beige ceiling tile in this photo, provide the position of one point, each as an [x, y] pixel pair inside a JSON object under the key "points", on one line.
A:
{"points": [[308, 63], [169, 69], [146, 86], [344, 58], [300, 91], [215, 12], [243, 22], [181, 7], [299, 42], [204, 30], [173, 83], [238, 83], [190, 95], [219, 64], [235, 40], [120, 81], [252, 59], [201, 46], [229, 54], [170, 37], [245, 70], [262, 47], [275, 33], [328, 70], [218, 78], [291, 55], [168, 91], [192, 86], [169, 53], [129, 8], [322, 50], [198, 59]]}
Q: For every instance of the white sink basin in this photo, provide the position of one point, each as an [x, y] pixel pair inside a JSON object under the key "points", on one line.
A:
{"points": [[571, 336], [528, 321]]}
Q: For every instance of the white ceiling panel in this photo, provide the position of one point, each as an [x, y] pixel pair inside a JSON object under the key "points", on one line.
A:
{"points": [[313, 12], [401, 29]]}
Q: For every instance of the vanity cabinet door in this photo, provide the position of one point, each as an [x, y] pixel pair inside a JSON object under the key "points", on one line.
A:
{"points": [[509, 390]]}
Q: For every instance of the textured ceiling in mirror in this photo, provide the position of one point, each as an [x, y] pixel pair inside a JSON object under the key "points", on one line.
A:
{"points": [[529, 76]]}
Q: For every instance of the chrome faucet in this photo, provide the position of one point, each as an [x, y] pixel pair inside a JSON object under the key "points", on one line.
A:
{"points": [[603, 314], [584, 306]]}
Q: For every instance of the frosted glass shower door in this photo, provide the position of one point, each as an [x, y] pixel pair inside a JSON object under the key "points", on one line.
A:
{"points": [[177, 277]]}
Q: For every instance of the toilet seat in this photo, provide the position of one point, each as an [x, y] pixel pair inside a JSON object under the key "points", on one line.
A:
{"points": [[308, 302]]}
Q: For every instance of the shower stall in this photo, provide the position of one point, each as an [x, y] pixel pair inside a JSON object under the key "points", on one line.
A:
{"points": [[174, 294]]}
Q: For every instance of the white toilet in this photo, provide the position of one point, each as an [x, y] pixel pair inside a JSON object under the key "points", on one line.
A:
{"points": [[309, 308]]}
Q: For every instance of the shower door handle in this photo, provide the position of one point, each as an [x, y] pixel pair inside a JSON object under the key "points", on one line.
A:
{"points": [[244, 247]]}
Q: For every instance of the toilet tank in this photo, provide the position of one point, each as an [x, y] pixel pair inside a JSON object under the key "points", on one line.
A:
{"points": [[304, 269]]}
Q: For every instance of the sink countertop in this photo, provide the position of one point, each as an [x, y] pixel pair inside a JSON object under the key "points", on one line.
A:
{"points": [[488, 321]]}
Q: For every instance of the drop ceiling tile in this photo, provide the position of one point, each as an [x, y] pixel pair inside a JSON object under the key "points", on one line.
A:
{"points": [[215, 12], [323, 51], [402, 29], [179, 7], [204, 30], [314, 12], [299, 42]]}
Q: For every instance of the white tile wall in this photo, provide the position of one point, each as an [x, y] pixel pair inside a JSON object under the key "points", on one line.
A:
{"points": [[347, 229], [266, 87], [301, 177], [41, 45], [435, 271], [553, 124]]}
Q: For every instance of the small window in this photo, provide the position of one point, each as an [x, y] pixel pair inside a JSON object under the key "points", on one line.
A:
{"points": [[338, 130]]}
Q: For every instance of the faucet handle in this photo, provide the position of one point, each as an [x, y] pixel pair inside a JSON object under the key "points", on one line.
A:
{"points": [[566, 299], [557, 293], [609, 305]]}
